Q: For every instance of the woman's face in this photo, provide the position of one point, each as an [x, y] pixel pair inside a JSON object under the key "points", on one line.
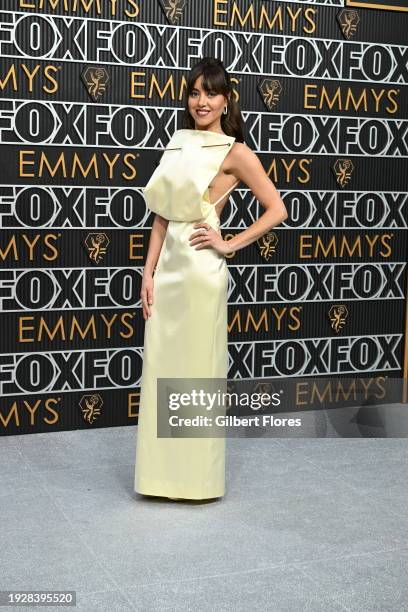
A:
{"points": [[205, 107]]}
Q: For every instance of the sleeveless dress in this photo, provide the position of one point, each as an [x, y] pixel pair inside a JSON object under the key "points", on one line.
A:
{"points": [[186, 334]]}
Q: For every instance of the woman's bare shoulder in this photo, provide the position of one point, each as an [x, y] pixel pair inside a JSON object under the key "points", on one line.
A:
{"points": [[241, 152], [240, 156], [240, 146]]}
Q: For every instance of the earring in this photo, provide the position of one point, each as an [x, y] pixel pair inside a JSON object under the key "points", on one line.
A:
{"points": [[225, 111]]}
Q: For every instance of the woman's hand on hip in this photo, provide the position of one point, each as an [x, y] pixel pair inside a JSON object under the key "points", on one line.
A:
{"points": [[207, 236], [146, 295]]}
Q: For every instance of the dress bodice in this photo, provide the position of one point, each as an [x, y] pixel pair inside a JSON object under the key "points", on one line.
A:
{"points": [[177, 190]]}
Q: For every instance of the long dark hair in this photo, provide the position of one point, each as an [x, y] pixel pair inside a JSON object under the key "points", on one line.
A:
{"points": [[215, 78]]}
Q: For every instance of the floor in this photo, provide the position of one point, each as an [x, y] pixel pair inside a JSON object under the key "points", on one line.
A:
{"points": [[318, 524]]}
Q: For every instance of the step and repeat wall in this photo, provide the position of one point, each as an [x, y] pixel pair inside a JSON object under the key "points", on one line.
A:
{"points": [[92, 90]]}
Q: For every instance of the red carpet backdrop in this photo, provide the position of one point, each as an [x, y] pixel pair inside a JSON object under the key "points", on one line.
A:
{"points": [[91, 90]]}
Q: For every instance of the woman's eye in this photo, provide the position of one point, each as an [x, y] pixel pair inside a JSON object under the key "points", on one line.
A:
{"points": [[210, 93]]}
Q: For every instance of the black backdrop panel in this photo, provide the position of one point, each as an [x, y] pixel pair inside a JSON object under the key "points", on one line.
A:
{"points": [[323, 87]]}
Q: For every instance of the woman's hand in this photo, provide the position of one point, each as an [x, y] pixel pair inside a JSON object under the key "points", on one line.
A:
{"points": [[146, 295], [207, 236]]}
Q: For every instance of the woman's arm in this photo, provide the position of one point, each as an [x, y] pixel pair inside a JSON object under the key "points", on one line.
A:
{"points": [[247, 167], [157, 236]]}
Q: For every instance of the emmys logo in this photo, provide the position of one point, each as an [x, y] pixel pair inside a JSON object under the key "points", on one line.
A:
{"points": [[337, 316], [91, 407], [95, 79], [267, 244], [342, 169], [173, 9], [270, 90], [348, 21], [96, 245]]}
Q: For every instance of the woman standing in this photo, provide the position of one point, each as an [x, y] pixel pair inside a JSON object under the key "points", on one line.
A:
{"points": [[185, 302]]}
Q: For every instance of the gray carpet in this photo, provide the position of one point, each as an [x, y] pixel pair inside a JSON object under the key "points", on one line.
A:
{"points": [[306, 524]]}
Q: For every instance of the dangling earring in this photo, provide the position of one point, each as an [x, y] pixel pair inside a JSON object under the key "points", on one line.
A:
{"points": [[225, 111]]}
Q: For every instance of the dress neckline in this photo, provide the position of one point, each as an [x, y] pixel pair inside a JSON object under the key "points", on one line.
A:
{"points": [[205, 132]]}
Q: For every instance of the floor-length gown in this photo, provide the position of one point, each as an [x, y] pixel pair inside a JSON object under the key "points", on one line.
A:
{"points": [[186, 334]]}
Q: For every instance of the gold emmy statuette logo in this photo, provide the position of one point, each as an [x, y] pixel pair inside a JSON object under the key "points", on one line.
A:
{"points": [[173, 9], [267, 244], [342, 169], [231, 389], [264, 387], [91, 407], [96, 245], [95, 79], [348, 20], [337, 316], [270, 90], [231, 386]]}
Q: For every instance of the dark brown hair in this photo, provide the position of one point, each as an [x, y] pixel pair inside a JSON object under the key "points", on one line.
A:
{"points": [[215, 78]]}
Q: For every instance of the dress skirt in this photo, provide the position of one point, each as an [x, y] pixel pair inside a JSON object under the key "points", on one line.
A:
{"points": [[185, 336]]}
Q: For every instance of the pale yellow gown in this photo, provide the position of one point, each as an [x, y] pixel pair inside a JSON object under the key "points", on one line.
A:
{"points": [[186, 334]]}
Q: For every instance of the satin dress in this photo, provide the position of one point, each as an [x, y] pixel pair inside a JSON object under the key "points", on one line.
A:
{"points": [[186, 334]]}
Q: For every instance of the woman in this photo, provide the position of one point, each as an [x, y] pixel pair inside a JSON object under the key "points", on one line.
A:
{"points": [[185, 302]]}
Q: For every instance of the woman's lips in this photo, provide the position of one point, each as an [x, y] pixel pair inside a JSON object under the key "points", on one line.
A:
{"points": [[202, 113]]}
